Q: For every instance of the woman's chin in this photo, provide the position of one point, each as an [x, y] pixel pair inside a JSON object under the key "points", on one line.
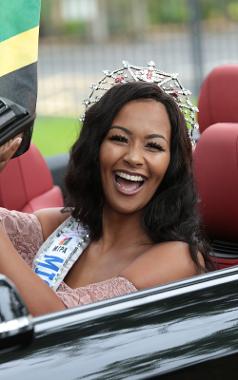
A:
{"points": [[124, 209]]}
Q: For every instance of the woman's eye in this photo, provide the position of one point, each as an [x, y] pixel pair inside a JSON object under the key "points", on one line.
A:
{"points": [[155, 146], [118, 138]]}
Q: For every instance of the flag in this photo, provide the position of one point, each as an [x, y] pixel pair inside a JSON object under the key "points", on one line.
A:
{"points": [[19, 32]]}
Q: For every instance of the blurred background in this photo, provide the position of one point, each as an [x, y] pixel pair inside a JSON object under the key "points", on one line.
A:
{"points": [[81, 38]]}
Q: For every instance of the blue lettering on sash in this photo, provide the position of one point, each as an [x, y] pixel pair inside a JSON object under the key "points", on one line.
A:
{"points": [[50, 261], [41, 273]]}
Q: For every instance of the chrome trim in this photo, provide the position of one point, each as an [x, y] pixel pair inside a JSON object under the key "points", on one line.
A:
{"points": [[15, 326]]}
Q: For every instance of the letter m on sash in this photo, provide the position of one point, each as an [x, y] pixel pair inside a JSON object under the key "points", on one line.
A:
{"points": [[50, 262]]}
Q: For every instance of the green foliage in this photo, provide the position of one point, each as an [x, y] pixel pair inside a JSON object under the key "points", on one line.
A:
{"points": [[167, 11], [232, 10], [219, 9], [177, 11], [55, 135], [120, 15], [73, 27], [211, 9]]}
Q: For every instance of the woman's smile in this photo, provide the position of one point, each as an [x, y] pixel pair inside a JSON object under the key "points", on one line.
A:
{"points": [[128, 183], [135, 154]]}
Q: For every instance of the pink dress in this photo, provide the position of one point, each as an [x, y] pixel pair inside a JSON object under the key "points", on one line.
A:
{"points": [[25, 232]]}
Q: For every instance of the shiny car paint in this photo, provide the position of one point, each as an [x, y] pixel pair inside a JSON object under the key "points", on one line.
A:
{"points": [[183, 330]]}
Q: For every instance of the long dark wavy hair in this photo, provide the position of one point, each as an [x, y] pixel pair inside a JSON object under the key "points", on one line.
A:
{"points": [[171, 214]]}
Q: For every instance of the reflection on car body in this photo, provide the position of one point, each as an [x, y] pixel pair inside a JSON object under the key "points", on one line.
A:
{"points": [[164, 331]]}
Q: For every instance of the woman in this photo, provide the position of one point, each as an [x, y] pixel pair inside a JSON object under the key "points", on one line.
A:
{"points": [[130, 184]]}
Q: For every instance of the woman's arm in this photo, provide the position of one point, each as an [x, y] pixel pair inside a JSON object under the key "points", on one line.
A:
{"points": [[37, 295]]}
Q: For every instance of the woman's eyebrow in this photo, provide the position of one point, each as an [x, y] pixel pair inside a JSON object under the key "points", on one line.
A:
{"points": [[156, 136], [122, 129]]}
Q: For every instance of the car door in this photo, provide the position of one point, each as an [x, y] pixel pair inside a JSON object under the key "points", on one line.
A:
{"points": [[182, 330]]}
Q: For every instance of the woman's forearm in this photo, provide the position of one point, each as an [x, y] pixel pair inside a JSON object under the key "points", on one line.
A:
{"points": [[37, 295]]}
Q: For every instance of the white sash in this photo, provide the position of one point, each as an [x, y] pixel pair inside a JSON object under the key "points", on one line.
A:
{"points": [[60, 251]]}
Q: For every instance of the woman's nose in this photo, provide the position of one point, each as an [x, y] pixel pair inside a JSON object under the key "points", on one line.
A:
{"points": [[134, 156]]}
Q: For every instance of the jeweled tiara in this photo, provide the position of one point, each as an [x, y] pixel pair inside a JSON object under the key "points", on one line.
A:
{"points": [[166, 81]]}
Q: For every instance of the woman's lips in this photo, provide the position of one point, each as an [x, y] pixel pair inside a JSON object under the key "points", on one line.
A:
{"points": [[127, 187]]}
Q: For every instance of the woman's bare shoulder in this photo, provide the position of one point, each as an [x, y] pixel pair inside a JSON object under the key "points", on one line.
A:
{"points": [[161, 264], [50, 219]]}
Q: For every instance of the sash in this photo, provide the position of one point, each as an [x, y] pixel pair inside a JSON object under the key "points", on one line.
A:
{"points": [[60, 251]]}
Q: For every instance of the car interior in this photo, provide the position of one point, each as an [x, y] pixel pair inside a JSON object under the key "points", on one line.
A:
{"points": [[26, 184], [30, 185], [216, 163]]}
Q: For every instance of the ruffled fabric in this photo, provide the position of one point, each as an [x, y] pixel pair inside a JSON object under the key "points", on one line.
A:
{"points": [[103, 290], [24, 231]]}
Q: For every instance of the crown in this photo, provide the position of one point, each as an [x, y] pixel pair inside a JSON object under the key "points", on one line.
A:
{"points": [[169, 83]]}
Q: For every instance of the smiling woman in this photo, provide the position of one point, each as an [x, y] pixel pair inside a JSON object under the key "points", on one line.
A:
{"points": [[132, 221], [130, 180]]}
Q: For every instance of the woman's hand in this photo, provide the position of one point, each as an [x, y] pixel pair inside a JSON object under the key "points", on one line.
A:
{"points": [[8, 149]]}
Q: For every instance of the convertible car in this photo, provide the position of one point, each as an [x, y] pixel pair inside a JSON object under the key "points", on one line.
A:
{"points": [[183, 330]]}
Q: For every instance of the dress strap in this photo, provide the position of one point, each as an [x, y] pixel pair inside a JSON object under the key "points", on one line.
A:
{"points": [[60, 251]]}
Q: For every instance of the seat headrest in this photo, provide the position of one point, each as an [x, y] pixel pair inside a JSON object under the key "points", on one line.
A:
{"points": [[23, 179], [216, 175], [218, 99]]}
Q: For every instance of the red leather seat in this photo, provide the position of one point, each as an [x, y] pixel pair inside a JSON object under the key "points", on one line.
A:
{"points": [[218, 99], [216, 174], [26, 184], [216, 162]]}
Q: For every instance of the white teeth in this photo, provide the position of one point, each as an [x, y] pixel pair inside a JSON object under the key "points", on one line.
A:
{"points": [[136, 178]]}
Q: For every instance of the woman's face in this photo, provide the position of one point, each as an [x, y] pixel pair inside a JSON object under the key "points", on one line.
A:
{"points": [[135, 155]]}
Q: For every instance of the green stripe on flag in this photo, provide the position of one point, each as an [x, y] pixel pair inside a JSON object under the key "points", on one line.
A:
{"points": [[17, 16], [19, 28]]}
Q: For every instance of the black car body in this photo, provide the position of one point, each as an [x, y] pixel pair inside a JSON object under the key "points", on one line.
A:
{"points": [[183, 330]]}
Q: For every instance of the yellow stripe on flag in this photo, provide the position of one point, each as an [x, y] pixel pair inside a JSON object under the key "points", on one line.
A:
{"points": [[19, 51]]}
